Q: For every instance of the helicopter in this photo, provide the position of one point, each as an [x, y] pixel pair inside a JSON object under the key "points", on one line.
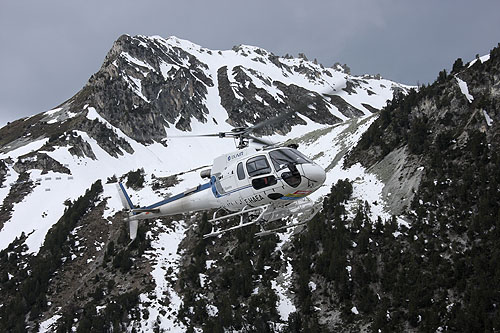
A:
{"points": [[259, 185]]}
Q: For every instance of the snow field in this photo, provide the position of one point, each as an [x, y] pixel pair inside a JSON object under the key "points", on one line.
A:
{"points": [[251, 59], [47, 198], [332, 145], [164, 255]]}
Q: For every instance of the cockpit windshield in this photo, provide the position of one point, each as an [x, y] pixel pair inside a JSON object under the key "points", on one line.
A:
{"points": [[284, 156]]}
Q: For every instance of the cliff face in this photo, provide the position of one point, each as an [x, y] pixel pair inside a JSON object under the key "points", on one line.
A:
{"points": [[435, 125]]}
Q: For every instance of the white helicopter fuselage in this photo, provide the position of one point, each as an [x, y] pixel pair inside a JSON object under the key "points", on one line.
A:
{"points": [[239, 182], [252, 178]]}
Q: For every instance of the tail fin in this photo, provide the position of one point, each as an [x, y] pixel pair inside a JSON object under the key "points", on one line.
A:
{"points": [[124, 197], [127, 205]]}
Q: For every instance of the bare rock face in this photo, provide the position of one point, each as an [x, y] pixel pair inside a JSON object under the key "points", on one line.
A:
{"points": [[401, 173], [18, 191], [170, 86], [105, 137], [3, 172], [81, 148], [246, 103], [77, 146], [40, 161]]}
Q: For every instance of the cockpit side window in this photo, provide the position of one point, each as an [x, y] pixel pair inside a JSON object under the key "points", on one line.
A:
{"points": [[240, 171], [258, 166], [282, 157]]}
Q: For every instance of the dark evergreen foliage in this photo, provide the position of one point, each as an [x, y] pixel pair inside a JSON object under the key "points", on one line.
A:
{"points": [[233, 283], [441, 272], [110, 319], [458, 65], [135, 179], [31, 296]]}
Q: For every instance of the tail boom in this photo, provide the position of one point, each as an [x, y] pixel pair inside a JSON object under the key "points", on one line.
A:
{"points": [[195, 199]]}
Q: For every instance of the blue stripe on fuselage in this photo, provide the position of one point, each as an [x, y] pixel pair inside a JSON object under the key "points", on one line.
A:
{"points": [[212, 184], [178, 196], [290, 198]]}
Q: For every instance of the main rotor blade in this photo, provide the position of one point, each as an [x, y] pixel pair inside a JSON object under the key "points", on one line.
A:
{"points": [[242, 132], [261, 141], [269, 121], [219, 135]]}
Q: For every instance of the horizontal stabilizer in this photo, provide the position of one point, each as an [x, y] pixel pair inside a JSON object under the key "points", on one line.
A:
{"points": [[146, 210], [133, 229]]}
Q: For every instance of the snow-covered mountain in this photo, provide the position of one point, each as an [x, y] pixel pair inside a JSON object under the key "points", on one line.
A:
{"points": [[149, 90]]}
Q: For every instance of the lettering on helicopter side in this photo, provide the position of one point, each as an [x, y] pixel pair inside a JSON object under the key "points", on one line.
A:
{"points": [[254, 199], [233, 156]]}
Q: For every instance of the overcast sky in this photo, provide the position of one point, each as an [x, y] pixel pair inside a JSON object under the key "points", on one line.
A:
{"points": [[49, 49]]}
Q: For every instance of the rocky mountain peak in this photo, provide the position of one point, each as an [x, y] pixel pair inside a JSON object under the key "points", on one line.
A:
{"points": [[161, 83], [147, 85]]}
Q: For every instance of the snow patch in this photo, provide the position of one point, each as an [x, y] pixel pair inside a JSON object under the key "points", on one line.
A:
{"points": [[285, 305], [488, 119], [51, 112], [165, 256], [137, 62], [482, 59], [209, 263], [212, 310], [464, 89], [22, 150], [136, 85], [47, 325]]}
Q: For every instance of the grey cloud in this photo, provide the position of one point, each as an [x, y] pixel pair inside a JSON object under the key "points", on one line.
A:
{"points": [[50, 49]]}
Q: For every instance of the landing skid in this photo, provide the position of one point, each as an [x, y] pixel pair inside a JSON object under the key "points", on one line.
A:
{"points": [[303, 211], [311, 214], [273, 231], [242, 214]]}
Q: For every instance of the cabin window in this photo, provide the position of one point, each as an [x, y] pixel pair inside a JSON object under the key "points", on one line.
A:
{"points": [[240, 171], [258, 166], [262, 182]]}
